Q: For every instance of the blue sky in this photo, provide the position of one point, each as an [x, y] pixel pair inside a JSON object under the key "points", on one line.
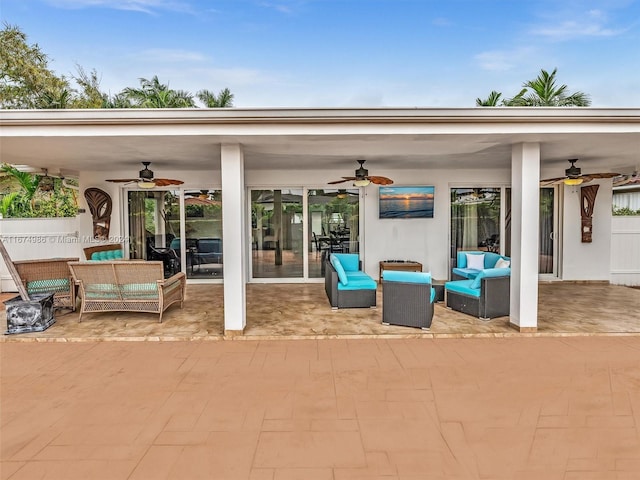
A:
{"points": [[344, 53]]}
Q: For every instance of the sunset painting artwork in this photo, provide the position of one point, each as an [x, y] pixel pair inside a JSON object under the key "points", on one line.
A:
{"points": [[406, 202]]}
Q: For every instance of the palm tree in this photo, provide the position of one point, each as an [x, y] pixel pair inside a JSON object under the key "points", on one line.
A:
{"points": [[154, 94], [540, 92], [490, 101], [223, 100], [28, 183]]}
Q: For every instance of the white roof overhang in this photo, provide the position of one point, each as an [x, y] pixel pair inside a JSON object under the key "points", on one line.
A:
{"points": [[272, 138]]}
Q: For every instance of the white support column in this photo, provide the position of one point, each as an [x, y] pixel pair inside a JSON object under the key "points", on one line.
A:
{"points": [[233, 228], [525, 226]]}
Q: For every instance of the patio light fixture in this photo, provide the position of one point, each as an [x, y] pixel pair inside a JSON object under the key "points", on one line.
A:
{"points": [[572, 181], [361, 182], [146, 184]]}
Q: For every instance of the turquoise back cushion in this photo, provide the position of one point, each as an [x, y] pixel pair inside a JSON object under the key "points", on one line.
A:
{"points": [[406, 277], [490, 258], [350, 261], [342, 276], [107, 255], [490, 272]]}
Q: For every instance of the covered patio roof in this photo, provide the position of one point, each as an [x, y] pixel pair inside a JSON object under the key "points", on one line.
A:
{"points": [[68, 141]]}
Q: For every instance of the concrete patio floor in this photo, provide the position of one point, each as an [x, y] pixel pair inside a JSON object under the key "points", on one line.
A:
{"points": [[381, 409], [124, 397], [278, 311]]}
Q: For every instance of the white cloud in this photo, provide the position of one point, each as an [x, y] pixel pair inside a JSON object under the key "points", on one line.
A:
{"points": [[593, 23], [146, 6], [506, 60]]}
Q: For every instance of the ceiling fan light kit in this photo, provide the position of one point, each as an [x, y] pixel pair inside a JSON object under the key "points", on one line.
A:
{"points": [[361, 183], [146, 184], [572, 181]]}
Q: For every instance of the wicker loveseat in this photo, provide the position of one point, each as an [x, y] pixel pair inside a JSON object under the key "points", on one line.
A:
{"points": [[49, 275], [126, 286]]}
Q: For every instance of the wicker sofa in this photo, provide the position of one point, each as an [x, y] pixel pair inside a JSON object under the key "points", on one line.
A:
{"points": [[346, 285], [49, 275], [126, 286]]}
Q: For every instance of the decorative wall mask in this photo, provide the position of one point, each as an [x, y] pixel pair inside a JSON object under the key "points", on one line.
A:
{"points": [[99, 203], [587, 204]]}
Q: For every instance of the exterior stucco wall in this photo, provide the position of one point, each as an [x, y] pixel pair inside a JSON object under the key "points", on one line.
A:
{"points": [[587, 261]]}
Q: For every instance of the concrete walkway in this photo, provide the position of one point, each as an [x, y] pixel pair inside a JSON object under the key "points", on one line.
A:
{"points": [[332, 409]]}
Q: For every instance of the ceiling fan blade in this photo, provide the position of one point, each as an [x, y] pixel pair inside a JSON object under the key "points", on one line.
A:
{"points": [[123, 180], [344, 179], [552, 181], [603, 175], [379, 180], [163, 182]]}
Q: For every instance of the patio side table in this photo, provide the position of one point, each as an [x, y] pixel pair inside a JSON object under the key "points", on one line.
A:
{"points": [[405, 266]]}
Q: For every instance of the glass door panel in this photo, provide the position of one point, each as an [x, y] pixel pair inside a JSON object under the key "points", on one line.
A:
{"points": [[151, 230], [276, 230], [547, 258], [333, 219], [475, 220], [547, 227], [203, 232]]}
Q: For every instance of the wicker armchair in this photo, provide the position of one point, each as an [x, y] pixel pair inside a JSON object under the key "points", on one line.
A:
{"points": [[131, 286], [49, 275], [407, 299]]}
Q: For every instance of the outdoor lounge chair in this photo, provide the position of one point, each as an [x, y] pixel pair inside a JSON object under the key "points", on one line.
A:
{"points": [[49, 275], [407, 299]]}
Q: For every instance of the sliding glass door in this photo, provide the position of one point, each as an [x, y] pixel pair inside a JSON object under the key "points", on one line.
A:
{"points": [[276, 233], [333, 219], [475, 220]]}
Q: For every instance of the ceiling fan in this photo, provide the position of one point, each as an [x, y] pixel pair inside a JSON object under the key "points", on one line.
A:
{"points": [[632, 180], [362, 178], [574, 176], [147, 180], [201, 197]]}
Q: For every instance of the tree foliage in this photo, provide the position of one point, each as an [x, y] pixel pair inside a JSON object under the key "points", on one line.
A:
{"points": [[25, 78], [21, 197], [539, 92], [26, 81], [224, 99]]}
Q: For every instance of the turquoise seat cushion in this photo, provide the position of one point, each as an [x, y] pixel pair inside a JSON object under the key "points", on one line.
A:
{"points": [[49, 285], [361, 283], [406, 277], [342, 276], [466, 272], [359, 275], [350, 261], [490, 273], [433, 295], [462, 286], [107, 255]]}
